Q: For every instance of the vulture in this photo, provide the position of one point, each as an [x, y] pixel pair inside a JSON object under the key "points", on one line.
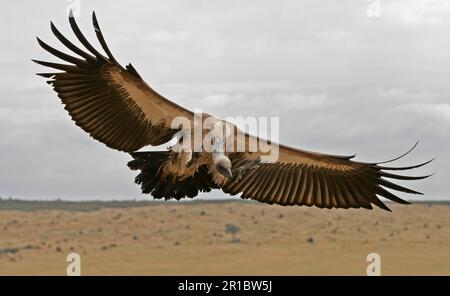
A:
{"points": [[115, 106]]}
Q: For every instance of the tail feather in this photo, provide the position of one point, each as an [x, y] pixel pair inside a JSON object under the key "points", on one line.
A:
{"points": [[152, 182]]}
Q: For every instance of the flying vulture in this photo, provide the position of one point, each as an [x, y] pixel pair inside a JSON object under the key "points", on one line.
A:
{"points": [[116, 107]]}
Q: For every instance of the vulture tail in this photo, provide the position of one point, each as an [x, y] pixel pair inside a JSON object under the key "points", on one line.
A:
{"points": [[149, 163], [167, 187]]}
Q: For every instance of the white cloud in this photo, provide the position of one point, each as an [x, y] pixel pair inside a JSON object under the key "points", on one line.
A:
{"points": [[342, 40], [301, 101], [433, 111], [417, 12], [219, 100], [168, 36], [212, 43], [29, 116]]}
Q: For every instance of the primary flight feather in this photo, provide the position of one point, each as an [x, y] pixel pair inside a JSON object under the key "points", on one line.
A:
{"points": [[116, 107]]}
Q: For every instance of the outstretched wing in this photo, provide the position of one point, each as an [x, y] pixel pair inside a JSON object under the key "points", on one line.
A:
{"points": [[111, 103], [307, 178]]}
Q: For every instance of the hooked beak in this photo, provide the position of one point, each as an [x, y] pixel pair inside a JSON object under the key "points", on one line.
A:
{"points": [[229, 174]]}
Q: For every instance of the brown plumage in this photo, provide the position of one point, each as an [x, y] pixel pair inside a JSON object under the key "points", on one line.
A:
{"points": [[325, 181], [116, 107]]}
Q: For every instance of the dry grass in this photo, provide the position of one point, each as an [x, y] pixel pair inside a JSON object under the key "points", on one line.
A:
{"points": [[190, 239]]}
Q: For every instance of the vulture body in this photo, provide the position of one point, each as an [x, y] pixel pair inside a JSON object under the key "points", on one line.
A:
{"points": [[116, 107]]}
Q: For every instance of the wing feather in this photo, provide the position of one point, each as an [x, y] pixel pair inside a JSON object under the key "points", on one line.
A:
{"points": [[111, 103], [300, 177], [285, 185]]}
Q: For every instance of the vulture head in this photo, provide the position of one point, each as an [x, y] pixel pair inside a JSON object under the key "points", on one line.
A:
{"points": [[223, 166]]}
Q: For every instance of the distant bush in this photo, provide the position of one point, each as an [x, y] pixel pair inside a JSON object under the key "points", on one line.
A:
{"points": [[233, 230], [12, 250]]}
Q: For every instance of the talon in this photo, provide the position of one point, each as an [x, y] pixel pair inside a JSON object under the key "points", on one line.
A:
{"points": [[195, 157]]}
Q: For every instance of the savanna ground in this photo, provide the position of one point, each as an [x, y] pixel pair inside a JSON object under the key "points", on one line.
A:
{"points": [[189, 238]]}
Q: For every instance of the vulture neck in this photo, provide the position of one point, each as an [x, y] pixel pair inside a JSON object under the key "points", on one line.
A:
{"points": [[218, 152]]}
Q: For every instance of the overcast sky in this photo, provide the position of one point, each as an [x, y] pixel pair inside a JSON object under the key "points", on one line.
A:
{"points": [[341, 82]]}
